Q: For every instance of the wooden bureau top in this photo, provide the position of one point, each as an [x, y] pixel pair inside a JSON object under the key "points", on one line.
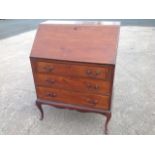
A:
{"points": [[90, 42]]}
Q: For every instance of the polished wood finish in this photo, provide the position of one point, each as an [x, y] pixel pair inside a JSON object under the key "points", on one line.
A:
{"points": [[92, 43], [71, 97], [73, 70], [74, 84], [73, 66]]}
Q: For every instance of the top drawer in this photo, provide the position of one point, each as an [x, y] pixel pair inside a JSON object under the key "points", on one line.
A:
{"points": [[97, 72]]}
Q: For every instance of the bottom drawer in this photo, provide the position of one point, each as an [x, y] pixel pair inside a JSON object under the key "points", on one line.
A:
{"points": [[76, 98]]}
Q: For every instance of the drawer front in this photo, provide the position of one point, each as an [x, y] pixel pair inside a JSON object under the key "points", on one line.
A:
{"points": [[73, 84], [74, 70], [68, 97]]}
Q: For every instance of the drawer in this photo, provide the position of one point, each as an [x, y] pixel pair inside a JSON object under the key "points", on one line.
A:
{"points": [[69, 97], [73, 84], [78, 70]]}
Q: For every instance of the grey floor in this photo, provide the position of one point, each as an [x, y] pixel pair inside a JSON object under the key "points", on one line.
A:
{"points": [[134, 86]]}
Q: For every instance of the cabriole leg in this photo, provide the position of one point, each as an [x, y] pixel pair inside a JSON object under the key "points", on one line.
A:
{"points": [[108, 117], [39, 105]]}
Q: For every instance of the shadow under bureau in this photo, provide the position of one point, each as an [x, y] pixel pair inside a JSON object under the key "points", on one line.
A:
{"points": [[73, 65]]}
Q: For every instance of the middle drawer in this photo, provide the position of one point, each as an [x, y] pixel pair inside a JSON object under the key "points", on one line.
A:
{"points": [[74, 84]]}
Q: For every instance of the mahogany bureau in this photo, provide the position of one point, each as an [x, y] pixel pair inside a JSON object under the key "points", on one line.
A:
{"points": [[73, 65]]}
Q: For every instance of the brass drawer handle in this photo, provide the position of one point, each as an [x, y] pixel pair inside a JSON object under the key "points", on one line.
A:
{"points": [[96, 87], [49, 68], [89, 72], [54, 94], [50, 81], [51, 94], [92, 87], [98, 72], [94, 102]]}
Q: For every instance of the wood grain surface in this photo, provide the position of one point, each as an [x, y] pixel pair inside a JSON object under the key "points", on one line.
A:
{"points": [[81, 42], [70, 97], [74, 84]]}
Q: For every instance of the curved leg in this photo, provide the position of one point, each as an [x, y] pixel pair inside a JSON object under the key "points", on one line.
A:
{"points": [[38, 104], [108, 116]]}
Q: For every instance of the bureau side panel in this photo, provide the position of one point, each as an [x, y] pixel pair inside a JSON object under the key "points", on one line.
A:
{"points": [[112, 73], [33, 66]]}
